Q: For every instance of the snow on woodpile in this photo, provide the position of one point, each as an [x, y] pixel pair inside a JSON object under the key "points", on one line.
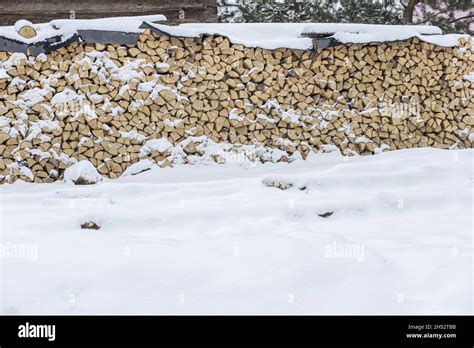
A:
{"points": [[365, 33], [264, 35], [67, 28], [331, 28], [297, 35]]}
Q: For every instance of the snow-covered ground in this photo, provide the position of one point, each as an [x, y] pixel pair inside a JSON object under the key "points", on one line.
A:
{"points": [[223, 239]]}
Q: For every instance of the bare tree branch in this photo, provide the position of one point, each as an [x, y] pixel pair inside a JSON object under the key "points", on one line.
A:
{"points": [[461, 18], [434, 15]]}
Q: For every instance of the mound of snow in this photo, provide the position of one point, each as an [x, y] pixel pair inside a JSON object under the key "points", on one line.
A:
{"points": [[82, 173]]}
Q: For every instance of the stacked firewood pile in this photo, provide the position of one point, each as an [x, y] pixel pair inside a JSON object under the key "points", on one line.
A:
{"points": [[165, 98]]}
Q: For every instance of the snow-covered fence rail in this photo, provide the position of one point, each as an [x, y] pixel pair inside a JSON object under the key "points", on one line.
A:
{"points": [[216, 93]]}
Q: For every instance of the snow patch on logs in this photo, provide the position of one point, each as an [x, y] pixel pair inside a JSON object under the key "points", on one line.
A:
{"points": [[160, 145], [66, 96]]}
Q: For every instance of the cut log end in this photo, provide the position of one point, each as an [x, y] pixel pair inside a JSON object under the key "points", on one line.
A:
{"points": [[28, 32]]}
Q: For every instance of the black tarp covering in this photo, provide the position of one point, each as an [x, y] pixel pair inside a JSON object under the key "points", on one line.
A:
{"points": [[108, 37], [51, 44], [10, 45], [55, 42], [327, 42]]}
